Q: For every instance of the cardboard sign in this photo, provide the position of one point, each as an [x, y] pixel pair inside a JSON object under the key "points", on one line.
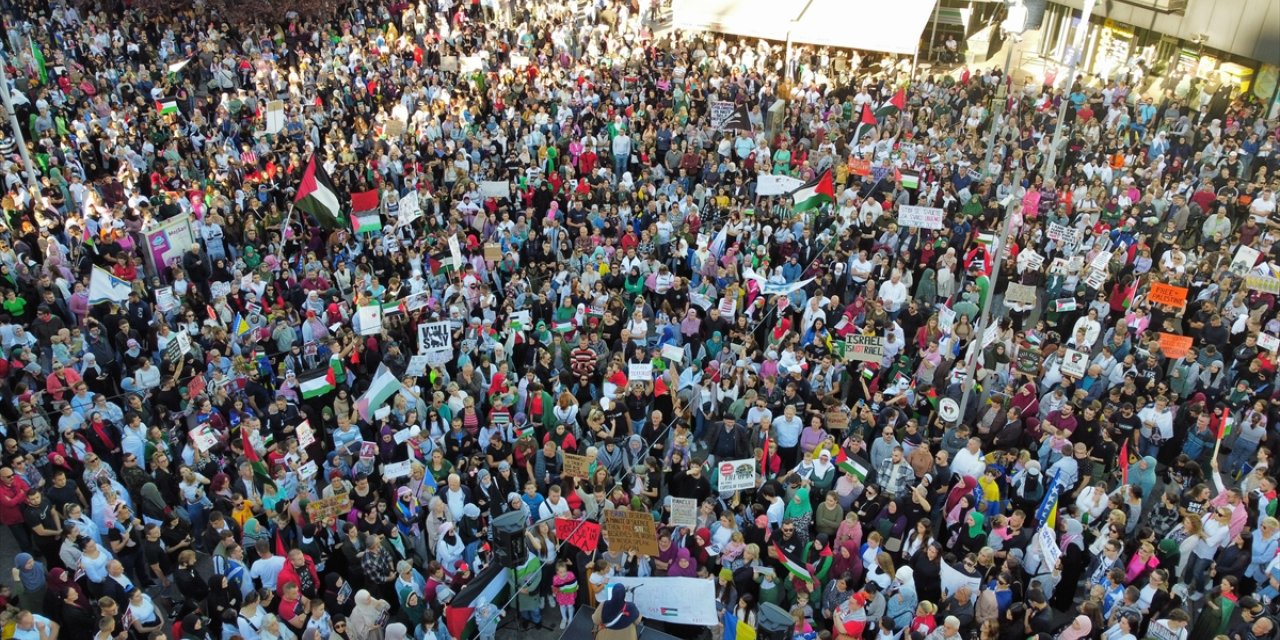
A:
{"points": [[921, 217], [631, 530], [583, 534], [576, 466], [1168, 294], [864, 348], [1020, 294], [492, 251], [640, 372], [1173, 345], [733, 475], [336, 507], [837, 420], [1074, 363], [684, 512], [410, 208]]}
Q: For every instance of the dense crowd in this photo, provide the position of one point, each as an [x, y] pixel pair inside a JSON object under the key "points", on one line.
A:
{"points": [[219, 452]]}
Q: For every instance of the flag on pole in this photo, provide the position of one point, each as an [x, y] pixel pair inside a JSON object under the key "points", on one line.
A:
{"points": [[764, 458], [336, 372], [850, 466], [794, 568], [38, 56], [166, 107], [315, 383], [240, 325], [1224, 425], [1047, 514], [104, 287], [866, 126], [366, 222], [317, 196], [383, 386], [897, 104], [487, 589], [815, 194], [739, 120], [255, 459]]}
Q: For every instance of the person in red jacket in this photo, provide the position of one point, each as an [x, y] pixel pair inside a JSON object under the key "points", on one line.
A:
{"points": [[300, 569], [13, 495]]}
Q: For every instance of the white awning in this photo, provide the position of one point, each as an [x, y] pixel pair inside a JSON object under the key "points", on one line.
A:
{"points": [[892, 26]]}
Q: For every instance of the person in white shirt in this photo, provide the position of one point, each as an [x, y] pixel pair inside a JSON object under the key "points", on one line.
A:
{"points": [[554, 506], [893, 294], [1157, 426], [968, 461], [266, 569]]}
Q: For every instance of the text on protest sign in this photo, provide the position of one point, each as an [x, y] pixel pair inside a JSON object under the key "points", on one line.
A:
{"points": [[632, 530], [1168, 294], [920, 217], [583, 534], [864, 348], [733, 475]]}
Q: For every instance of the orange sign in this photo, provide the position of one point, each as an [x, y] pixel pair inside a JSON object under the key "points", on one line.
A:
{"points": [[1168, 294], [1173, 345], [859, 167]]}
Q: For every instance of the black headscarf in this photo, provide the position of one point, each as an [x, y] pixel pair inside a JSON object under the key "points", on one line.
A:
{"points": [[617, 613]]}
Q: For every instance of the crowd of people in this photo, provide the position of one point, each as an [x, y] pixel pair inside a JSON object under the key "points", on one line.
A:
{"points": [[235, 450]]}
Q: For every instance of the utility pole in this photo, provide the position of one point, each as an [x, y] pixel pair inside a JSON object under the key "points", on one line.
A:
{"points": [[1082, 32], [18, 138], [975, 355], [1000, 99]]}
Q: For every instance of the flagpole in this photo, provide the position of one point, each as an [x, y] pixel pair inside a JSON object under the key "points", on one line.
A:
{"points": [[32, 182]]}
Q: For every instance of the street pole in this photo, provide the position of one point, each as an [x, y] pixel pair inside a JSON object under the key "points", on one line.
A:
{"points": [[1082, 32], [997, 110], [971, 366], [20, 139]]}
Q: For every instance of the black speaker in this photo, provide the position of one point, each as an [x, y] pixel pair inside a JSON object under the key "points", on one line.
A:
{"points": [[508, 538], [774, 623]]}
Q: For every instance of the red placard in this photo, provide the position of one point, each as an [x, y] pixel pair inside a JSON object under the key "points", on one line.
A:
{"points": [[582, 534]]}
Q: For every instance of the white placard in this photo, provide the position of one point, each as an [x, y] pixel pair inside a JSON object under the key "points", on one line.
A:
{"points": [[410, 208], [1100, 261], [728, 307], [417, 366], [369, 318], [953, 579], [495, 189], [689, 601], [184, 341], [684, 512], [1268, 342], [434, 336], [455, 252], [1049, 550], [1244, 260], [1074, 363], [771, 185], [1097, 278], [308, 470], [275, 116], [673, 353], [990, 335], [397, 469], [1034, 261], [469, 64], [204, 437], [306, 435], [438, 357], [640, 372], [732, 475], [166, 301], [921, 217], [402, 436]]}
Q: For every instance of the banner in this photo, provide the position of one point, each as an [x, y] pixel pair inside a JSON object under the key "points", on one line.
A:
{"points": [[952, 580], [1168, 294], [720, 111], [864, 348], [583, 534], [771, 185], [495, 189], [632, 530], [680, 600], [1265, 284], [167, 243], [921, 217], [736, 474], [771, 288]]}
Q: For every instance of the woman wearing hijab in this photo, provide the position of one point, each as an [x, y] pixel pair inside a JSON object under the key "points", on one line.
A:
{"points": [[223, 597], [1143, 475], [684, 565], [1074, 562], [800, 511], [193, 628], [1079, 629], [973, 535], [396, 631], [616, 619], [902, 598], [337, 595], [367, 617], [30, 582]]}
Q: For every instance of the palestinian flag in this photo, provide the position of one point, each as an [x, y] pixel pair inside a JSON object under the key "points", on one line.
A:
{"points": [[254, 458], [337, 373], [866, 126], [383, 386], [897, 104], [315, 383], [364, 201], [794, 568], [528, 569], [850, 466], [366, 222], [317, 196], [568, 587], [487, 588], [166, 107], [909, 179], [815, 194]]}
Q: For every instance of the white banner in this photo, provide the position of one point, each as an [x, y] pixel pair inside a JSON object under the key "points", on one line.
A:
{"points": [[410, 209], [1048, 546], [952, 580], [680, 600], [921, 217], [771, 185]]}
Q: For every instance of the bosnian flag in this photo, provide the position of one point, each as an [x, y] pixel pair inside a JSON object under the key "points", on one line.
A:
{"points": [[794, 568], [815, 194], [104, 287]]}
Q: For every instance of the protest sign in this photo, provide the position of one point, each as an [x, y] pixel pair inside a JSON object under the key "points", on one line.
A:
{"points": [[864, 348], [495, 189], [1173, 345], [684, 512], [583, 534], [306, 434], [1074, 363], [771, 185], [673, 353], [402, 436], [1063, 305], [369, 317], [688, 601], [308, 470], [396, 469], [640, 372], [576, 466], [952, 579], [1168, 294], [492, 251], [921, 217], [417, 366], [736, 474], [837, 420], [410, 209], [1244, 260], [1020, 294], [434, 337], [166, 300], [1049, 549], [1100, 261], [631, 530], [1096, 279], [728, 306], [860, 167], [1029, 359], [1268, 342], [336, 507], [204, 437], [720, 111], [1265, 284], [275, 116]]}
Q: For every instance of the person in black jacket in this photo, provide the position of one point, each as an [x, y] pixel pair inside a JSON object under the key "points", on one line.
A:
{"points": [[691, 483], [727, 441]]}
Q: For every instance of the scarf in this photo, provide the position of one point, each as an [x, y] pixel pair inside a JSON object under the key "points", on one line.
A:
{"points": [[33, 578]]}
